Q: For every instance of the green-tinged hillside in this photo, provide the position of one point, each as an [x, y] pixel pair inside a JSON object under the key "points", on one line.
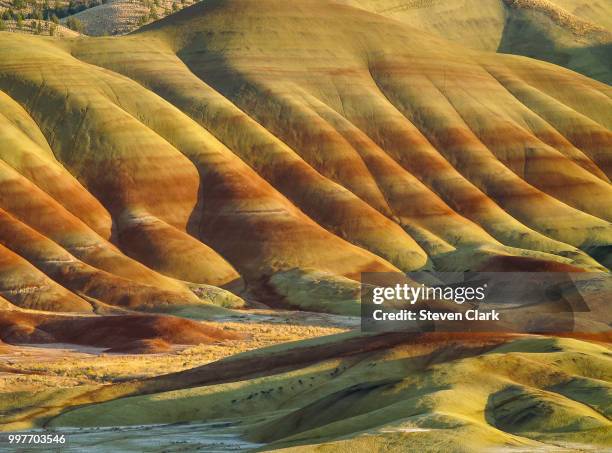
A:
{"points": [[454, 394]]}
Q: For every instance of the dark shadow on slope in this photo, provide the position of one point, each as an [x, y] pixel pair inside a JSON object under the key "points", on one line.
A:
{"points": [[534, 35]]}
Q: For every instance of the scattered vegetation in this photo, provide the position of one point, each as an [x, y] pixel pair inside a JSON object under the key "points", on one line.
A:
{"points": [[16, 15], [37, 10], [75, 24]]}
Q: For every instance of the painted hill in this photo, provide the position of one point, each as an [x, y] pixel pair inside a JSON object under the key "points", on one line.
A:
{"points": [[571, 33], [267, 142], [367, 392], [272, 151], [131, 333]]}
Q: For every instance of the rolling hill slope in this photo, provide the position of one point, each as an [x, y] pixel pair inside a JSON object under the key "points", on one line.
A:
{"points": [[571, 33], [239, 140], [362, 393], [245, 151]]}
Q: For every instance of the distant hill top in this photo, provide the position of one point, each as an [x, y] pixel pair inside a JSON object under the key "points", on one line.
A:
{"points": [[571, 33]]}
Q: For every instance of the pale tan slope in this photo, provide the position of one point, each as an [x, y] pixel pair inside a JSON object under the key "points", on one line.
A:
{"points": [[111, 18], [241, 139], [118, 17], [595, 11], [573, 33], [480, 24], [475, 24]]}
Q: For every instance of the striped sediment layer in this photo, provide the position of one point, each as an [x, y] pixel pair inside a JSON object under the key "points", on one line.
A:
{"points": [[235, 141]]}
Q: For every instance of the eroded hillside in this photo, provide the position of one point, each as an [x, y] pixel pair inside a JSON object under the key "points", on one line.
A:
{"points": [[253, 153], [260, 143]]}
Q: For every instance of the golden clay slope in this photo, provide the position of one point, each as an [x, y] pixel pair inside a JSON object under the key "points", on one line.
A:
{"points": [[241, 139], [571, 33]]}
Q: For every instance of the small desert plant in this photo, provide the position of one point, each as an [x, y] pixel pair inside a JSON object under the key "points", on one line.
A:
{"points": [[75, 24]]}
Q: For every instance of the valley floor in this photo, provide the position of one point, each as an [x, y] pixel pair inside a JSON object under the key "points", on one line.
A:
{"points": [[36, 367], [334, 389]]}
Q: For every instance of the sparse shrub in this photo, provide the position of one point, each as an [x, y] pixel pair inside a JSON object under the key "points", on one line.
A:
{"points": [[175, 7], [52, 29], [19, 21], [2, 25], [55, 19], [75, 24], [153, 13]]}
